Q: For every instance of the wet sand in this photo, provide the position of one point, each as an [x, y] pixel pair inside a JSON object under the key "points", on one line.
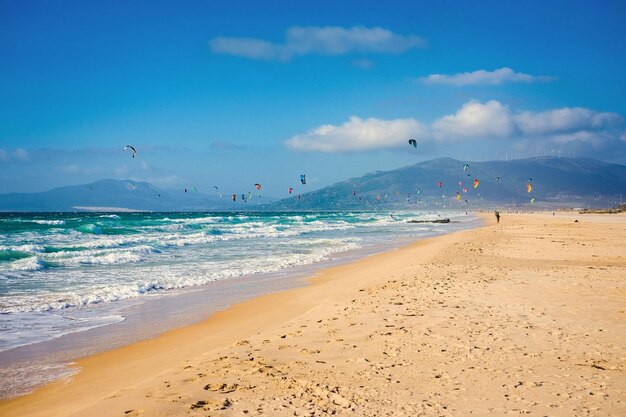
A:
{"points": [[523, 317]]}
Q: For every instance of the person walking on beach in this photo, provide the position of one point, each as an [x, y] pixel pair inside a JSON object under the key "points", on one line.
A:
{"points": [[497, 217]]}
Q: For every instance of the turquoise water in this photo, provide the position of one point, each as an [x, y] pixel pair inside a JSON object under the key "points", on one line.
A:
{"points": [[55, 268]]}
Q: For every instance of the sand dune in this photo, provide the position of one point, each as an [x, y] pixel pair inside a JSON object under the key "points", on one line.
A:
{"points": [[524, 317]]}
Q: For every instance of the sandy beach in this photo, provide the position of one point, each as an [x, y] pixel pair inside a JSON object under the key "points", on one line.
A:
{"points": [[527, 316]]}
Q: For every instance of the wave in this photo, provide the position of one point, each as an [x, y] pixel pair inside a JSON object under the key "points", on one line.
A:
{"points": [[90, 229], [12, 255], [110, 216], [50, 222], [99, 257], [29, 264], [88, 265], [166, 277], [27, 329]]}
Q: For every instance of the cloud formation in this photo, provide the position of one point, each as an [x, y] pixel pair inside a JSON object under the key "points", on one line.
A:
{"points": [[328, 40], [496, 77], [363, 64], [566, 119], [16, 155], [357, 135], [474, 121]]}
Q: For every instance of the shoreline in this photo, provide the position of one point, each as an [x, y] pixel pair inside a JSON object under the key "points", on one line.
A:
{"points": [[126, 378], [181, 308], [81, 365]]}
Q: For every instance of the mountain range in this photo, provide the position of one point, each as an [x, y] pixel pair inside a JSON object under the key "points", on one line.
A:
{"points": [[579, 182]]}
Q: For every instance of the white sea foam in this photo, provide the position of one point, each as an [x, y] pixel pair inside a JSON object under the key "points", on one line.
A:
{"points": [[20, 378], [50, 222], [28, 328], [29, 248], [72, 269], [21, 265], [100, 257]]}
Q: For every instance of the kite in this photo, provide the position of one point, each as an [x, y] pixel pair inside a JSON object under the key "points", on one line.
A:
{"points": [[529, 187], [497, 178], [413, 142], [460, 184], [258, 186], [234, 197], [458, 196], [464, 190], [532, 200], [440, 184], [465, 167], [132, 150], [290, 190], [303, 179], [476, 182]]}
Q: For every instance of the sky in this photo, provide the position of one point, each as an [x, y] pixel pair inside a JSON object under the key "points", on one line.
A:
{"points": [[234, 93]]}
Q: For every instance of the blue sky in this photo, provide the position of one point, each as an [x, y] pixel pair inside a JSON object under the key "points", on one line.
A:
{"points": [[234, 93]]}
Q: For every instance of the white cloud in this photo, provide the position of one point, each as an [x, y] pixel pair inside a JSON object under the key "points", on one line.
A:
{"points": [[494, 120], [499, 76], [474, 119], [20, 154], [70, 169], [363, 64], [168, 181], [581, 137], [328, 40], [563, 120], [121, 171], [248, 48], [357, 135]]}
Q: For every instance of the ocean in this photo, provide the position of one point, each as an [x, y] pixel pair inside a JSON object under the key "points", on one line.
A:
{"points": [[66, 276]]}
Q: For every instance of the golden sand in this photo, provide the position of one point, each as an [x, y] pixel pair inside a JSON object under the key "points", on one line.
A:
{"points": [[523, 317]]}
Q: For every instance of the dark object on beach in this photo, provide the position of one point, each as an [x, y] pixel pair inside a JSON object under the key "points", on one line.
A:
{"points": [[576, 221], [497, 216], [429, 221]]}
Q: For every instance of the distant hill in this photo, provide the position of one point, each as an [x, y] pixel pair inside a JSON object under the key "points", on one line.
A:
{"points": [[580, 182], [110, 195]]}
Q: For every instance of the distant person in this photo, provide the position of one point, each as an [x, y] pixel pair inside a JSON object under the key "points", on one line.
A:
{"points": [[497, 216]]}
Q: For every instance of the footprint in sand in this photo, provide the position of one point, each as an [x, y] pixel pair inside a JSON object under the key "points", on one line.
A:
{"points": [[221, 388], [221, 404]]}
